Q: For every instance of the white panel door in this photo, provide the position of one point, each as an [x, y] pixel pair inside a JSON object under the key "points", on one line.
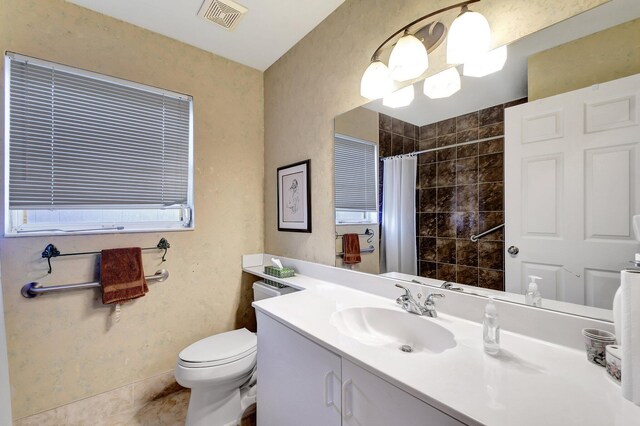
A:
{"points": [[571, 188], [370, 401], [298, 380]]}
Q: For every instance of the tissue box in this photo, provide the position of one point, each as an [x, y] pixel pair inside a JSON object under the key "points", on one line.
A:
{"points": [[279, 272]]}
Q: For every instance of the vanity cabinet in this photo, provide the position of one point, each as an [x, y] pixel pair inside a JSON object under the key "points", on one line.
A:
{"points": [[302, 383], [370, 400], [298, 380]]}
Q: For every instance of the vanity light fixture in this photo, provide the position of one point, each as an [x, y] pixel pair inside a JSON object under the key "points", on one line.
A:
{"points": [[408, 58], [443, 84], [376, 82], [399, 98], [487, 64], [469, 37]]}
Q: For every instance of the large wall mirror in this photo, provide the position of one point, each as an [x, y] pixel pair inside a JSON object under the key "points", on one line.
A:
{"points": [[530, 171]]}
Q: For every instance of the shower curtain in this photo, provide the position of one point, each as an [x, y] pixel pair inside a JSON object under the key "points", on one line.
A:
{"points": [[398, 245]]}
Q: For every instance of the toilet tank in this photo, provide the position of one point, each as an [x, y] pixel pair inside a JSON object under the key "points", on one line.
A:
{"points": [[261, 290]]}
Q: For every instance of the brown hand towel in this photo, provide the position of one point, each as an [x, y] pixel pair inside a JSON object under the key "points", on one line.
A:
{"points": [[351, 249], [121, 275]]}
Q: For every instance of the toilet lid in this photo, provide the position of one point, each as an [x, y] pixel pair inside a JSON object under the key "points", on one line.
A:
{"points": [[219, 349]]}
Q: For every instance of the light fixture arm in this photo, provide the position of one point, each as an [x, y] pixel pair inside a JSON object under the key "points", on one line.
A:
{"points": [[464, 4]]}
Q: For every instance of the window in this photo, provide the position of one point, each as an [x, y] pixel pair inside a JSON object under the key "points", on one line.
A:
{"points": [[355, 180], [91, 153]]}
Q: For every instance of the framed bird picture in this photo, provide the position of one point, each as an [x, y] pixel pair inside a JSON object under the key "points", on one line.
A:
{"points": [[294, 197]]}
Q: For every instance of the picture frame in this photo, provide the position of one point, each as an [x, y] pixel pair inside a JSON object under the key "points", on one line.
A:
{"points": [[294, 197]]}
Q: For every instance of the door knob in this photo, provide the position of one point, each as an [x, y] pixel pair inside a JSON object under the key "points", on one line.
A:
{"points": [[513, 250]]}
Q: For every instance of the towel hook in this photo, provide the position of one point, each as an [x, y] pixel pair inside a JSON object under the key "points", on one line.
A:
{"points": [[50, 251], [163, 244], [369, 232]]}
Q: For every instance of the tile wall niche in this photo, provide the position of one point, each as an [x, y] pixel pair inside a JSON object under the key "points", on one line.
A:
{"points": [[460, 192]]}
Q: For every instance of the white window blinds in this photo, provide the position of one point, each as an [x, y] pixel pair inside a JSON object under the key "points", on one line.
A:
{"points": [[355, 175], [82, 140]]}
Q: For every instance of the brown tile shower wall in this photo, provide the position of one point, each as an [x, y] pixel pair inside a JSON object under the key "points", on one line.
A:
{"points": [[396, 136], [460, 192]]}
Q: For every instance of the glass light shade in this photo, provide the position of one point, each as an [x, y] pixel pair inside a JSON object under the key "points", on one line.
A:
{"points": [[469, 37], [408, 59], [399, 98], [443, 84], [486, 64], [376, 83]]}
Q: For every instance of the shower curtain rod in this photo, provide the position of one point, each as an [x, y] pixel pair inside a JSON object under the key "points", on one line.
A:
{"points": [[413, 154]]}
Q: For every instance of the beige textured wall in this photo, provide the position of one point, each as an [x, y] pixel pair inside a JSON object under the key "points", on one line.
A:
{"points": [[319, 78], [61, 347], [361, 123], [604, 56]]}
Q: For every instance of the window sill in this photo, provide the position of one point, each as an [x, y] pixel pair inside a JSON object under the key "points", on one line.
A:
{"points": [[45, 233]]}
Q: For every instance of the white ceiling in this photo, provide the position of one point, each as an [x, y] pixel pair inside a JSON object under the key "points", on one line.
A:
{"points": [[268, 30], [511, 82]]}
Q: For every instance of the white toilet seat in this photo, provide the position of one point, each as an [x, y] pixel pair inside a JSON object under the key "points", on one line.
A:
{"points": [[215, 363], [238, 370], [219, 349]]}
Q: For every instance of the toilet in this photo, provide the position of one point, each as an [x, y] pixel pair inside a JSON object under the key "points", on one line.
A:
{"points": [[220, 370]]}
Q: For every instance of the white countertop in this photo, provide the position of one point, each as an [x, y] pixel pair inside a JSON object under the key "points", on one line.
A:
{"points": [[531, 382]]}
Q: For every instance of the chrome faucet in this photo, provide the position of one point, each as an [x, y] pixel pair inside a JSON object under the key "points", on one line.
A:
{"points": [[408, 303], [450, 286], [412, 306], [430, 305]]}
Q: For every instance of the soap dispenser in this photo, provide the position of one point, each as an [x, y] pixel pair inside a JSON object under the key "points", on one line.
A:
{"points": [[491, 329], [532, 297]]}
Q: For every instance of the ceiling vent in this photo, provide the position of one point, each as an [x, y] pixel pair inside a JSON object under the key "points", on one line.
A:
{"points": [[225, 13]]}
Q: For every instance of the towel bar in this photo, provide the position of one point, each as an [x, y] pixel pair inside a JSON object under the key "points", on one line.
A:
{"points": [[33, 289], [364, 250], [475, 238], [367, 233], [52, 251]]}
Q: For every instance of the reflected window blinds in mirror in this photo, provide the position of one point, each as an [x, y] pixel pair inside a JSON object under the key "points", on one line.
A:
{"points": [[356, 195], [462, 190]]}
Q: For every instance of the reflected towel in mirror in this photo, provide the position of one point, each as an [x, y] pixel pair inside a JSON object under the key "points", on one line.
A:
{"points": [[351, 249]]}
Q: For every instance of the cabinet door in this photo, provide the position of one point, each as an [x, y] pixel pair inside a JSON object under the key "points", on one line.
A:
{"points": [[369, 400], [298, 380]]}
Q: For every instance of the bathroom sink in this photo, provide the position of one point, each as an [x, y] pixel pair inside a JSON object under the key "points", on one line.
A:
{"points": [[393, 329]]}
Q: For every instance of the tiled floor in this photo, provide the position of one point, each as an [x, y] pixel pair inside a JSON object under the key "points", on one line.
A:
{"points": [[170, 410], [249, 417], [166, 410]]}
